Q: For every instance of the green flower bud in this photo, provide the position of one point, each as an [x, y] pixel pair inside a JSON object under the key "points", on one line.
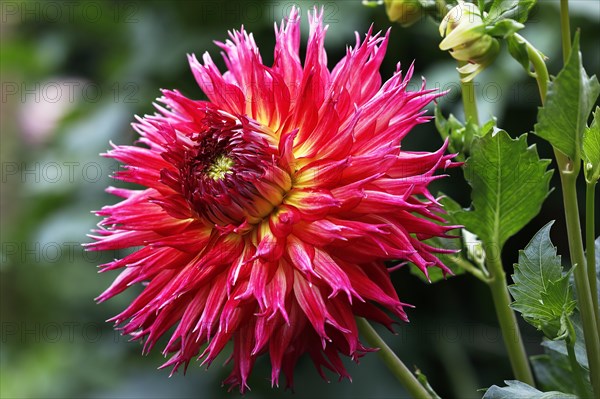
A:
{"points": [[405, 12], [465, 37]]}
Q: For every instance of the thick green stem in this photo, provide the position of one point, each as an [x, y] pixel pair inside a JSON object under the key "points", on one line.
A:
{"points": [[565, 28], [469, 101], [575, 367], [497, 281], [508, 322], [400, 371], [590, 250], [584, 295], [569, 170]]}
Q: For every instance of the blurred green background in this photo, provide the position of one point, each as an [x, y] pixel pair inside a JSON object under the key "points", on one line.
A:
{"points": [[73, 76]]}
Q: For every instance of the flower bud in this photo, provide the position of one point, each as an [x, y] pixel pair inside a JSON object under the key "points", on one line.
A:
{"points": [[405, 12], [465, 37]]}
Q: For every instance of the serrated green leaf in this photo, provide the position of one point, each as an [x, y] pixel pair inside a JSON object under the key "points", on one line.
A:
{"points": [[591, 149], [570, 99], [518, 389], [542, 293], [561, 347], [509, 184], [488, 127], [553, 372], [509, 9]]}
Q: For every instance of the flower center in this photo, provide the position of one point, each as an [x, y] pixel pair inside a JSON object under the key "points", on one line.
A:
{"points": [[227, 169], [221, 166]]}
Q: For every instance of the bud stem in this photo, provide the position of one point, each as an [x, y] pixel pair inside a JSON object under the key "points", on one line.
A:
{"points": [[569, 170], [391, 360], [584, 294], [565, 29], [508, 321], [469, 100]]}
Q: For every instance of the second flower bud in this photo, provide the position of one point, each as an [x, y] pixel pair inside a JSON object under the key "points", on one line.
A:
{"points": [[465, 37]]}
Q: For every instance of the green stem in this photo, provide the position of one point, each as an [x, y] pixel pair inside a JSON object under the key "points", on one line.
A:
{"points": [[575, 367], [497, 279], [400, 371], [541, 73], [508, 322], [469, 101], [590, 249], [565, 28], [469, 267], [584, 295], [569, 170]]}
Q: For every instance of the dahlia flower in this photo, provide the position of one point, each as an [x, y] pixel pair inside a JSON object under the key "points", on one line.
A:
{"points": [[269, 211]]}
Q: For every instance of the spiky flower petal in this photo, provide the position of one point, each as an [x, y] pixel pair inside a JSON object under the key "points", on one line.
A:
{"points": [[269, 211]]}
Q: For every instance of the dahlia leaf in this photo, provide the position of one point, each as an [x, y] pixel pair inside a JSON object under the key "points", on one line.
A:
{"points": [[513, 9], [553, 368], [509, 184], [561, 347], [518, 389], [553, 372], [591, 149], [541, 291], [571, 97]]}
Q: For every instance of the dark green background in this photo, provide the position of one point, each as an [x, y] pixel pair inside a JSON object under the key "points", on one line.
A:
{"points": [[114, 57]]}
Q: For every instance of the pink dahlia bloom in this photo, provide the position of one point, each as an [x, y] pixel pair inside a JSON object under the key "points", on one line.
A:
{"points": [[270, 210]]}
